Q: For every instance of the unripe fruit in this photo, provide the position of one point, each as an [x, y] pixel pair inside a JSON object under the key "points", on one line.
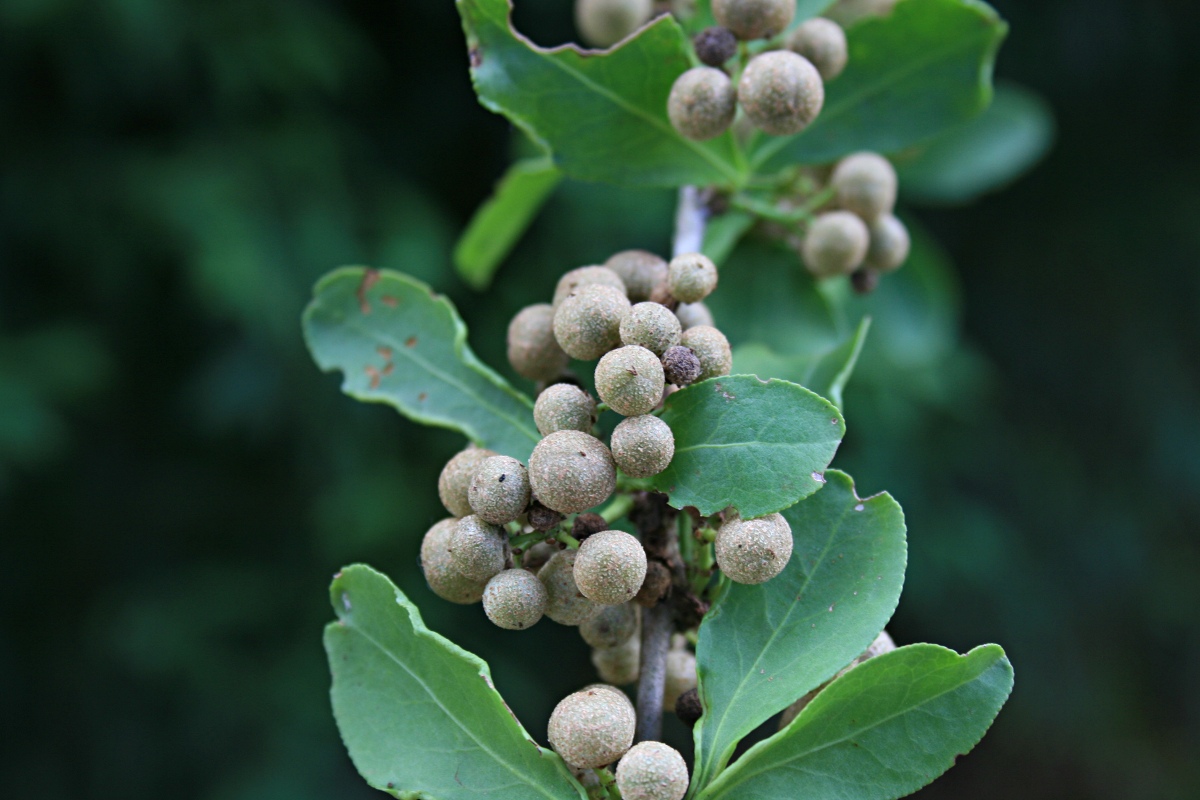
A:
{"points": [[536, 557], [630, 379], [715, 45], [514, 599], [652, 771], [592, 728], [691, 277], [702, 103], [588, 323], [754, 19], [619, 665], [866, 184], [565, 604], [712, 348], [681, 366], [478, 550], [655, 585], [652, 326], [642, 446], [823, 42], [587, 524], [445, 581], [454, 484], [754, 550], [836, 244], [613, 690], [688, 708], [499, 491], [693, 314], [532, 349], [640, 271], [563, 407], [848, 12], [681, 676], [890, 244], [603, 23], [611, 626], [586, 276], [781, 92], [610, 567], [572, 471]]}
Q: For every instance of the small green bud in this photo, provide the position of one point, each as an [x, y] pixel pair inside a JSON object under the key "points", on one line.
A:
{"points": [[823, 42], [836, 244], [652, 771], [610, 567], [611, 626], [754, 550], [681, 676], [454, 484], [715, 45], [586, 276], [564, 407], [781, 92], [754, 19], [866, 184], [592, 728], [712, 348], [652, 326], [514, 599], [532, 349], [478, 550], [443, 579], [603, 23], [890, 244], [565, 604], [642, 446], [641, 272], [619, 665], [702, 103], [691, 277], [693, 314], [571, 471], [588, 323], [499, 491], [630, 379]]}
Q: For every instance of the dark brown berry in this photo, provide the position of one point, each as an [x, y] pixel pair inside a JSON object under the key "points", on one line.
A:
{"points": [[688, 708], [543, 519], [655, 585], [587, 524], [681, 366], [715, 45], [865, 280]]}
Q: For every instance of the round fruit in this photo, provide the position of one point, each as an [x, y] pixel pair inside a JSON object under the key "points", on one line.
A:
{"points": [[603, 23], [532, 349], [691, 277], [564, 407], [848, 12], [478, 550], [610, 567], [866, 184], [630, 379], [611, 626], [592, 728], [641, 271], [702, 103], [586, 276], [445, 581], [681, 676], [836, 244], [588, 323], [499, 491], [619, 665], [890, 244], [571, 471], [652, 771], [712, 348], [454, 484], [754, 19], [642, 446], [565, 604], [693, 314], [715, 45], [652, 326], [781, 92], [681, 366], [754, 550], [514, 599], [823, 42]]}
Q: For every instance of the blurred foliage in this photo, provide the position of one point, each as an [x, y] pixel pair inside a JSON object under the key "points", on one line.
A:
{"points": [[178, 481]]}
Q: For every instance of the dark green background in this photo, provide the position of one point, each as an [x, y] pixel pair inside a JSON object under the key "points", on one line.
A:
{"points": [[178, 483]]}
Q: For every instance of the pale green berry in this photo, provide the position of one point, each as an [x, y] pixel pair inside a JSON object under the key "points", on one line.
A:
{"points": [[536, 557], [499, 491], [890, 244], [836, 244], [681, 676], [754, 19], [454, 484], [564, 407], [620, 665], [565, 604], [610, 567], [754, 550], [514, 599], [610, 626], [630, 379], [712, 348], [642, 446], [652, 771], [532, 349], [588, 322], [616, 693], [571, 471], [592, 728], [823, 42], [576, 279], [866, 184], [693, 314], [781, 92], [478, 549], [603, 23], [702, 103], [641, 272], [445, 581], [691, 277], [848, 12], [652, 326]]}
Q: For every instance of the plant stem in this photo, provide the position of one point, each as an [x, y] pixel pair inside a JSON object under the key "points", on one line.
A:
{"points": [[567, 539], [656, 640], [617, 508], [691, 217]]}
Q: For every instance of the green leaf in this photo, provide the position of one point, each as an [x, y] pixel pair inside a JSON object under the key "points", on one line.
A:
{"points": [[985, 154], [500, 222], [723, 232], [759, 446], [762, 647], [419, 714], [825, 372], [881, 731], [602, 114], [399, 343], [912, 74]]}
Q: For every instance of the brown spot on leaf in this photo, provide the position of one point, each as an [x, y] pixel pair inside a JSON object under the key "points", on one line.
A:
{"points": [[390, 301], [373, 373], [370, 278], [388, 368], [476, 58], [422, 397], [410, 341], [386, 352]]}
